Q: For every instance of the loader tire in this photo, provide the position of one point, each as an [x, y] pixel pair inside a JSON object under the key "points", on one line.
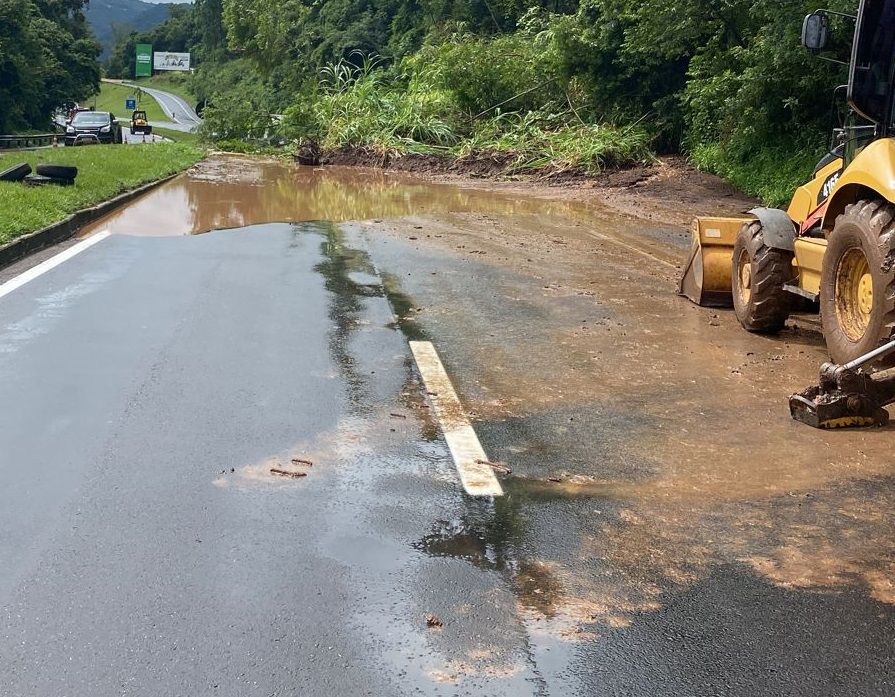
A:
{"points": [[857, 280], [758, 274]]}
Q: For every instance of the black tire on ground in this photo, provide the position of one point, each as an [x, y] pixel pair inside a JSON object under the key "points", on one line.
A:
{"points": [[16, 173], [758, 274], [857, 280], [57, 171], [40, 180]]}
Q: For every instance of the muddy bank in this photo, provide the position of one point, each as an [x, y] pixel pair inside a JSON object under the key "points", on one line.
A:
{"points": [[669, 190]]}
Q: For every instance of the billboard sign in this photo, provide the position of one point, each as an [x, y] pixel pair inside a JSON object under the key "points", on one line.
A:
{"points": [[144, 61], [165, 60]]}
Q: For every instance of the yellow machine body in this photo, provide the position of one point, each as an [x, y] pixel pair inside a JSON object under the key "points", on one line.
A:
{"points": [[706, 279], [809, 256], [870, 175], [808, 197]]}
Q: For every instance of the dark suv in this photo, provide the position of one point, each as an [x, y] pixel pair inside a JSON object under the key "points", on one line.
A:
{"points": [[93, 127]]}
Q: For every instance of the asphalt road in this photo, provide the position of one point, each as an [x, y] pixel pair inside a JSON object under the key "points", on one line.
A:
{"points": [[151, 384], [131, 139], [148, 548], [182, 115]]}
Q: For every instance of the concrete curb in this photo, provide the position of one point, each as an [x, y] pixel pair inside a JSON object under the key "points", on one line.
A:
{"points": [[59, 232]]}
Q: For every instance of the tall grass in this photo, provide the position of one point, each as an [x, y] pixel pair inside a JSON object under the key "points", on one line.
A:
{"points": [[365, 106], [536, 144], [360, 106]]}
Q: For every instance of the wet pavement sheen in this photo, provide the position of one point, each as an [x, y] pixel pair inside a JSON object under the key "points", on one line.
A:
{"points": [[666, 529]]}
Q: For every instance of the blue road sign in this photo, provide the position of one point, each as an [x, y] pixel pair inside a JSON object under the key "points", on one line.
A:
{"points": [[130, 103]]}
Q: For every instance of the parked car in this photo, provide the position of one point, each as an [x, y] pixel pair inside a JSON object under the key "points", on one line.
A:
{"points": [[89, 127]]}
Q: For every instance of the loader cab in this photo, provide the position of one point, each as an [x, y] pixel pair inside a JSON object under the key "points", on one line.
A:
{"points": [[872, 69], [871, 73], [872, 65]]}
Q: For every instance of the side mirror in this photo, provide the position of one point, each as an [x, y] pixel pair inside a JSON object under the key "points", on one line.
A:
{"points": [[815, 30]]}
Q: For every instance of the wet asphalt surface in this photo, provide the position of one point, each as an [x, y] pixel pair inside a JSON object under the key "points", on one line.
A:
{"points": [[150, 385]]}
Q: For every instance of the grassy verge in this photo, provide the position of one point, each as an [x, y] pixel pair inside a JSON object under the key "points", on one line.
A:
{"points": [[104, 171], [112, 98], [178, 136]]}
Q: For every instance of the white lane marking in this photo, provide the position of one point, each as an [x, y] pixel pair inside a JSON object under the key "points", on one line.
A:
{"points": [[51, 263], [477, 476]]}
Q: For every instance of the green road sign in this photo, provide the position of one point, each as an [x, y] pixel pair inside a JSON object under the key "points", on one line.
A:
{"points": [[144, 61]]}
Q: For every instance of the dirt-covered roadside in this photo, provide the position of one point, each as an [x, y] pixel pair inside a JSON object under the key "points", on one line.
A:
{"points": [[669, 191]]}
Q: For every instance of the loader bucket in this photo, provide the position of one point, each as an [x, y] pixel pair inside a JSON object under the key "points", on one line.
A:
{"points": [[706, 277]]}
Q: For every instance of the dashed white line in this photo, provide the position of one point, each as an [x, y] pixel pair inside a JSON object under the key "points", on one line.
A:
{"points": [[51, 263], [476, 474]]}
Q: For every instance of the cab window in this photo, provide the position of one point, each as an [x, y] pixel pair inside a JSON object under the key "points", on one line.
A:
{"points": [[874, 60]]}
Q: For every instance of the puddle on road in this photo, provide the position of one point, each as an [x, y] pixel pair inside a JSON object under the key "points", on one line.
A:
{"points": [[234, 191]]}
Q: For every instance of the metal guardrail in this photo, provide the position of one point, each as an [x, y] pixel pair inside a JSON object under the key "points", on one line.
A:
{"points": [[33, 141]]}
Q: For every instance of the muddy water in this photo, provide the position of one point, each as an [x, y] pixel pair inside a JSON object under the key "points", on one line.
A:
{"points": [[228, 192], [649, 439]]}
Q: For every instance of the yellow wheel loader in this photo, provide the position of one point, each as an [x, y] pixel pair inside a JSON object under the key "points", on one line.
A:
{"points": [[834, 247]]}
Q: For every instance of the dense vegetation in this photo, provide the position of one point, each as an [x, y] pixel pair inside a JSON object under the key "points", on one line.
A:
{"points": [[556, 84], [47, 58]]}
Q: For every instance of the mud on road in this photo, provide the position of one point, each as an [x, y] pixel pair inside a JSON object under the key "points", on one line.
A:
{"points": [[661, 503]]}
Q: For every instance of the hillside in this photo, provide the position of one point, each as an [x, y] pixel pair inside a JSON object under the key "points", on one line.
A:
{"points": [[104, 16]]}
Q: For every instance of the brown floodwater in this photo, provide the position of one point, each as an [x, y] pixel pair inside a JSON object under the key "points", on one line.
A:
{"points": [[234, 191]]}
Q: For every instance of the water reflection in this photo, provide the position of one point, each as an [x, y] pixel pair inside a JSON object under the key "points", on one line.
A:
{"points": [[350, 276], [491, 537], [234, 191]]}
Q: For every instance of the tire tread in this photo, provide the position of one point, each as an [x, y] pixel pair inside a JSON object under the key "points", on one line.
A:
{"points": [[770, 305], [876, 218]]}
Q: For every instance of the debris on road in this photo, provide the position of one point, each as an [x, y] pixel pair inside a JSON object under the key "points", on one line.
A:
{"points": [[434, 621], [287, 473], [497, 466], [301, 461], [398, 416]]}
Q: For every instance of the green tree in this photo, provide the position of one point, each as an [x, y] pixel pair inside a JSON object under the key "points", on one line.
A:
{"points": [[47, 59]]}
